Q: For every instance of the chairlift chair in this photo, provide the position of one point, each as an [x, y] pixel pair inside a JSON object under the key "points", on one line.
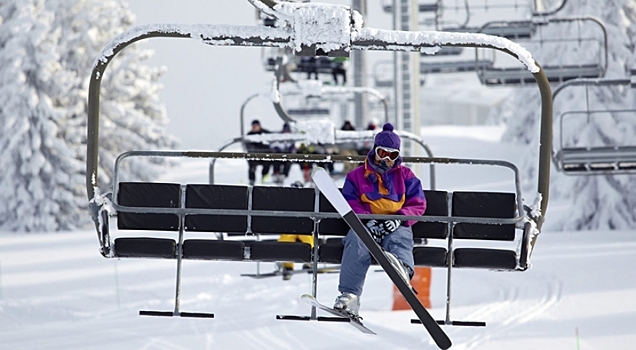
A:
{"points": [[468, 16], [173, 203], [572, 158], [592, 66], [429, 6]]}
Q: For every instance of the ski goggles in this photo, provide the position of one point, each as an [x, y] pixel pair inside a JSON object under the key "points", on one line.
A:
{"points": [[387, 153]]}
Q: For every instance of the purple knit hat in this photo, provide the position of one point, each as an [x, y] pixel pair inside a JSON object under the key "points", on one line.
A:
{"points": [[387, 138]]}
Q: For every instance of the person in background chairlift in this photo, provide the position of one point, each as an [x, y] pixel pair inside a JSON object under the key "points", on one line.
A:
{"points": [[366, 145], [338, 68], [381, 186], [349, 148], [306, 167], [310, 65], [281, 168], [257, 147], [287, 268]]}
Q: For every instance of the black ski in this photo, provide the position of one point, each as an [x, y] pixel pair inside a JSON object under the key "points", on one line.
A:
{"points": [[354, 321], [330, 191]]}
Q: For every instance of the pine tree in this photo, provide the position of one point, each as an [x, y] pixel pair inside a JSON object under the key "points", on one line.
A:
{"points": [[47, 49], [600, 201]]}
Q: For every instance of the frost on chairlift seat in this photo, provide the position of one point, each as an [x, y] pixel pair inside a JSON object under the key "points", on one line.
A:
{"points": [[594, 160]]}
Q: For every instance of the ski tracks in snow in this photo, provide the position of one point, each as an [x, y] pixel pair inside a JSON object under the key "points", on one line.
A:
{"points": [[513, 310]]}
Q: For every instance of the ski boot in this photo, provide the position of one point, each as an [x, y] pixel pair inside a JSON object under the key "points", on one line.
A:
{"points": [[348, 303]]}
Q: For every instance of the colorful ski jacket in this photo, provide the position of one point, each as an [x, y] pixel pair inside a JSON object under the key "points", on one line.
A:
{"points": [[398, 191]]}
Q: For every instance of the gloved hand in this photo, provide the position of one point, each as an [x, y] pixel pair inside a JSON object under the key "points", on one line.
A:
{"points": [[382, 228]]}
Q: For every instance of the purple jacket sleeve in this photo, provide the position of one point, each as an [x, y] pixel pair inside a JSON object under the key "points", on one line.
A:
{"points": [[415, 202], [350, 192]]}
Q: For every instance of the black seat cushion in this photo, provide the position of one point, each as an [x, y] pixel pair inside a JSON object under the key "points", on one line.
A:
{"points": [[216, 197], [482, 258], [152, 195], [280, 251], [484, 205], [430, 256], [145, 247], [333, 227], [205, 249], [283, 199], [436, 205]]}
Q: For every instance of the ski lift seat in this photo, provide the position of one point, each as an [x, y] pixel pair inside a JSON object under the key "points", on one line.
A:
{"points": [[494, 205], [226, 200], [154, 195], [455, 66], [597, 159], [521, 76], [509, 30], [308, 111]]}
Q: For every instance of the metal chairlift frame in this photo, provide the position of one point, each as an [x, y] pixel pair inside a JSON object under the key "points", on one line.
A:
{"points": [[555, 73], [555, 10], [244, 36], [606, 160], [463, 26]]}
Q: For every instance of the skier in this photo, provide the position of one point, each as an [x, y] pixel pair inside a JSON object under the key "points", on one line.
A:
{"points": [[281, 168], [257, 147], [381, 186]]}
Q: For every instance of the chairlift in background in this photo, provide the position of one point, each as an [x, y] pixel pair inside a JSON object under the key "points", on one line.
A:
{"points": [[383, 74], [588, 60], [468, 17], [523, 27], [572, 155], [427, 6]]}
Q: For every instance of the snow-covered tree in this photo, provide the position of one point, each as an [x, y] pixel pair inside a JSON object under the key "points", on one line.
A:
{"points": [[47, 49], [600, 201]]}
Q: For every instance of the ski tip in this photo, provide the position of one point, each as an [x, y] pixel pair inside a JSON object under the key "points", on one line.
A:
{"points": [[317, 171]]}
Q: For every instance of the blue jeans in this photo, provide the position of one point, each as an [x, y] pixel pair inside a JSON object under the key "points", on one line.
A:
{"points": [[356, 258]]}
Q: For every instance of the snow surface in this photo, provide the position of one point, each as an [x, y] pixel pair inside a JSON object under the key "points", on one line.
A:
{"points": [[57, 292]]}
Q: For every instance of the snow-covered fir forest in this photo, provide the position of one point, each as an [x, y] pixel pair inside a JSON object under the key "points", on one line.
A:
{"points": [[48, 48]]}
